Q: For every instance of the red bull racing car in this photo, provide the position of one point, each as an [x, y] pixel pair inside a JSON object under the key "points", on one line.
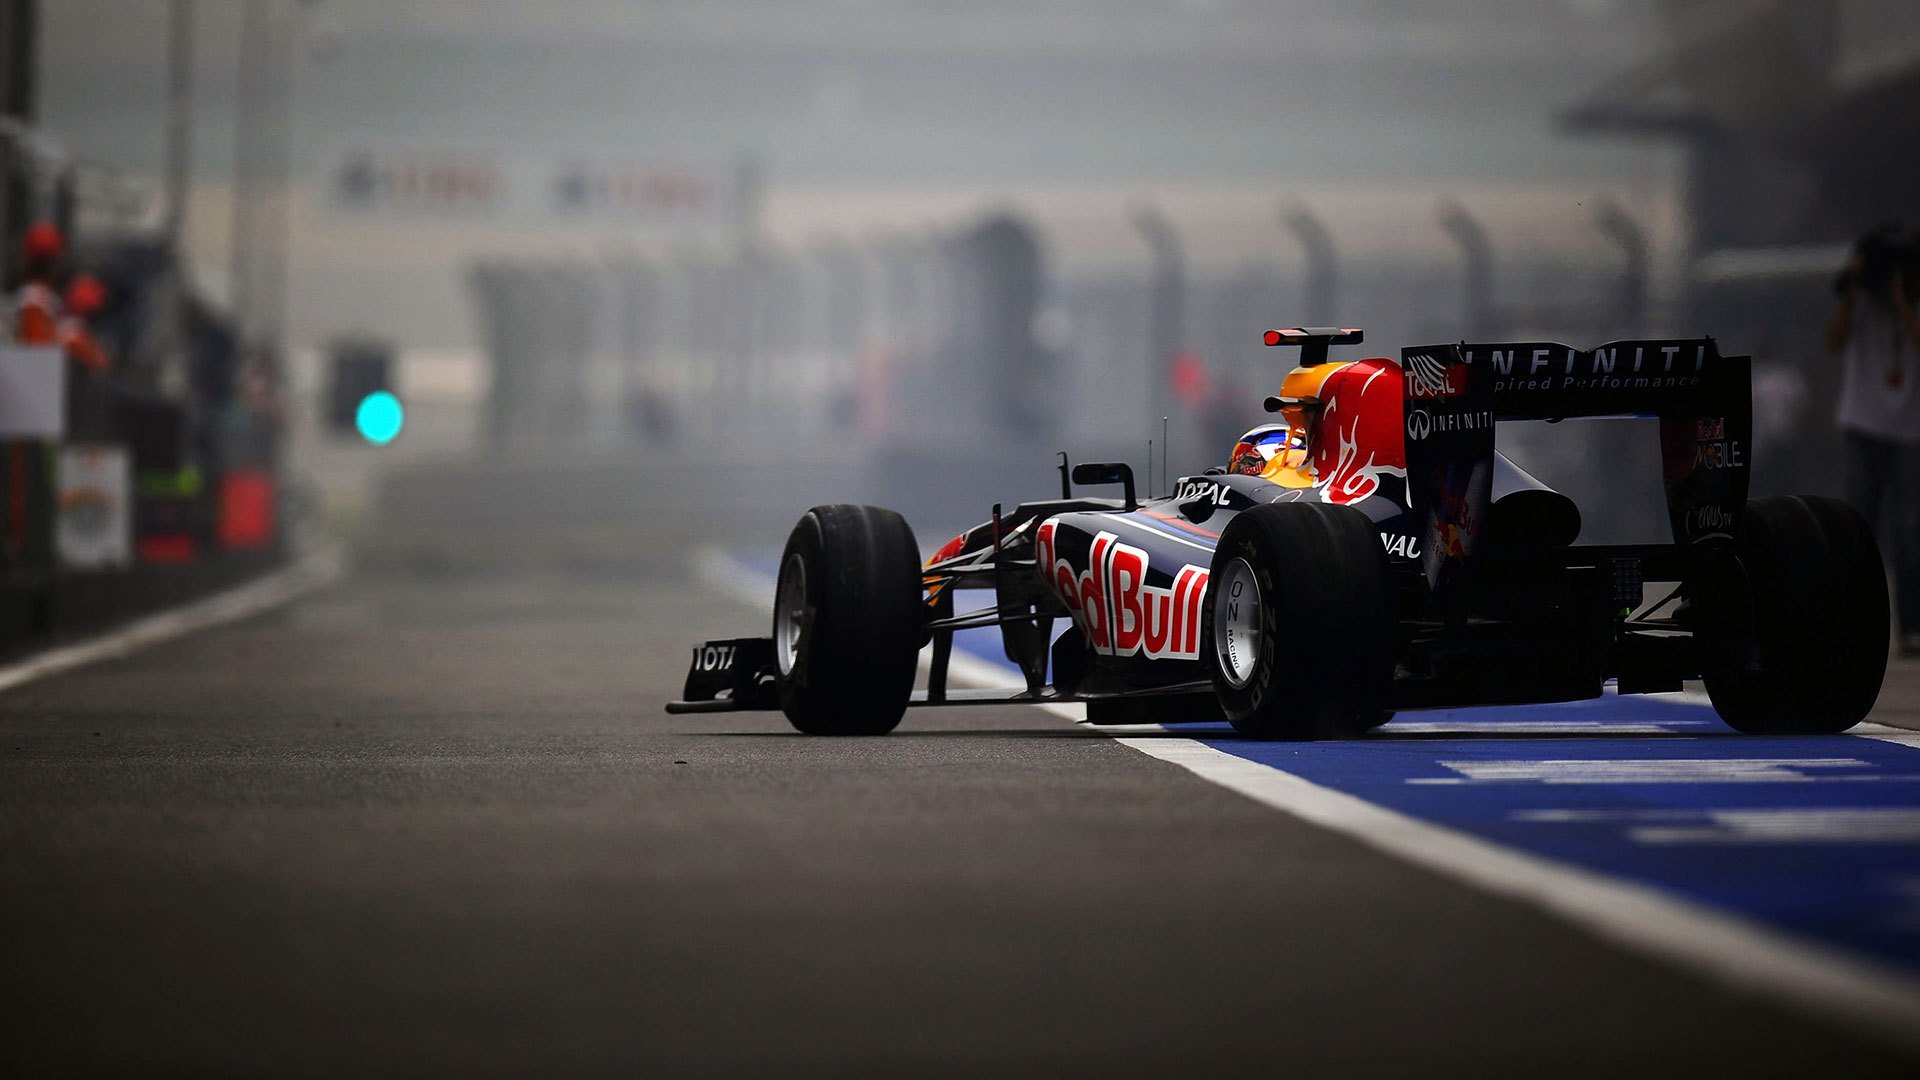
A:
{"points": [[1371, 551]]}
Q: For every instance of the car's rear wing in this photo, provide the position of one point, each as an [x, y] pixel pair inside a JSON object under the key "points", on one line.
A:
{"points": [[1546, 380], [1454, 393]]}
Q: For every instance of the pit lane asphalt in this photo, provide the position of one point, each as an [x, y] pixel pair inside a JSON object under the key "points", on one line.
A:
{"points": [[413, 825]]}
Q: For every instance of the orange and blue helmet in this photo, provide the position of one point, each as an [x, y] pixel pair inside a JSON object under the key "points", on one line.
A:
{"points": [[1257, 448]]}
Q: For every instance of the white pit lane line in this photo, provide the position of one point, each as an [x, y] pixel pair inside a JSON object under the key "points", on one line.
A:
{"points": [[1860, 994], [240, 602]]}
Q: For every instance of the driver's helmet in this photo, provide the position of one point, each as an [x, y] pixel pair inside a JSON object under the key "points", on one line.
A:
{"points": [[1258, 450]]}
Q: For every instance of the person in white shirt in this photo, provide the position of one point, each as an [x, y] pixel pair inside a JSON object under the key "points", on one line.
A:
{"points": [[1875, 332]]}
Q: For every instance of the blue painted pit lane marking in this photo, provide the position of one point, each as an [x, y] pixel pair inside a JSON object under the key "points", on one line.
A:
{"points": [[1818, 837]]}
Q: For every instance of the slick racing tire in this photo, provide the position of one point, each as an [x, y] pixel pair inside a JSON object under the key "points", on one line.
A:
{"points": [[848, 621], [1805, 588], [1297, 630]]}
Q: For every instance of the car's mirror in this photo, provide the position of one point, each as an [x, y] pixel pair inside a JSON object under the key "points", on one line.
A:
{"points": [[1107, 472]]}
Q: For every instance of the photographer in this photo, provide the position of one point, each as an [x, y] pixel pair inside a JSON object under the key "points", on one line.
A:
{"points": [[1875, 332]]}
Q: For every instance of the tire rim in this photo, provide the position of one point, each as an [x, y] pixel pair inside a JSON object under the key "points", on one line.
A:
{"points": [[789, 612], [1236, 623]]}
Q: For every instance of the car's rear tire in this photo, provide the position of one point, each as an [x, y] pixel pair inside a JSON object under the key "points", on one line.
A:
{"points": [[1310, 584], [848, 621], [1806, 589]]}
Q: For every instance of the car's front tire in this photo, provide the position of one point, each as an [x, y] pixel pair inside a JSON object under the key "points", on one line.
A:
{"points": [[848, 621], [1297, 630], [1806, 591]]}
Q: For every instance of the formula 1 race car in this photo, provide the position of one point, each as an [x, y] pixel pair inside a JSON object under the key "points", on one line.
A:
{"points": [[1373, 551]]}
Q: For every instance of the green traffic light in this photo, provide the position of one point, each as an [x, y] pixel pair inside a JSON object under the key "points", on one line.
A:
{"points": [[379, 417]]}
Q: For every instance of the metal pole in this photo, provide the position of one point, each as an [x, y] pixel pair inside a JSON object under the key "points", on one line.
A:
{"points": [[1477, 251], [19, 81], [1168, 297], [277, 210], [749, 189], [179, 118], [484, 292], [21, 90], [246, 167], [1322, 266], [1630, 303]]}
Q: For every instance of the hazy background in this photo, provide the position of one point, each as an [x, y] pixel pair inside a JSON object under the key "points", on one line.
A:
{"points": [[869, 116], [924, 245]]}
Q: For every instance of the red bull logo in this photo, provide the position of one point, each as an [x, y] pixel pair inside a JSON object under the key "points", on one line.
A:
{"points": [[1116, 609], [1454, 521], [1246, 459], [1359, 440]]}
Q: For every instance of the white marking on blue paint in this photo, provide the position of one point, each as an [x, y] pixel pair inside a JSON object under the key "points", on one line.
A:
{"points": [[1656, 771]]}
